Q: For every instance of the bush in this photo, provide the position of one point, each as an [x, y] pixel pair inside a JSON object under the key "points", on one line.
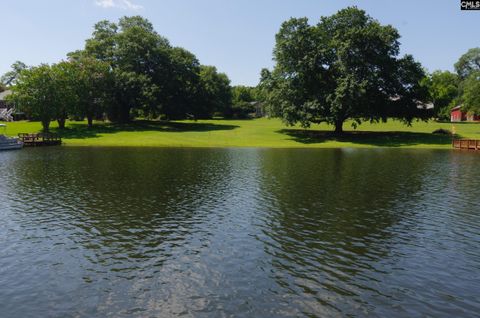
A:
{"points": [[442, 131]]}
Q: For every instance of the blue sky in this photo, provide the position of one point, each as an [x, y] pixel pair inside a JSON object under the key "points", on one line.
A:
{"points": [[237, 36]]}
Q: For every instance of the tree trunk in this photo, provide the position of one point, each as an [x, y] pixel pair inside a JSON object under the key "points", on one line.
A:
{"points": [[124, 115], [339, 126], [46, 125], [90, 121], [61, 123]]}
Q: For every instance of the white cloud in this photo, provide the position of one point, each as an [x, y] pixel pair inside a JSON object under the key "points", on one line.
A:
{"points": [[121, 4]]}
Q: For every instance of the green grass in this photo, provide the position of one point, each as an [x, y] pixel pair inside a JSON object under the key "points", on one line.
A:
{"points": [[251, 133]]}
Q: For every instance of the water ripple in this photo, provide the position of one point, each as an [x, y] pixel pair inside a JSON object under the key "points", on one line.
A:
{"points": [[239, 232]]}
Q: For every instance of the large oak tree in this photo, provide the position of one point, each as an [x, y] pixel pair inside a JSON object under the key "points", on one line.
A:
{"points": [[345, 67], [150, 76]]}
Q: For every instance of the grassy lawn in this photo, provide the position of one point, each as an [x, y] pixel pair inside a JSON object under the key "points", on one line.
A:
{"points": [[251, 133]]}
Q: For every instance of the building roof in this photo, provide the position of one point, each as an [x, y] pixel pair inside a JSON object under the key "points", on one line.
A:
{"points": [[5, 94], [421, 105], [456, 108]]}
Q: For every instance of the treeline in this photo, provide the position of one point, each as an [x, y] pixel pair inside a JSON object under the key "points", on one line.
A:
{"points": [[246, 100], [345, 67], [125, 70], [462, 88]]}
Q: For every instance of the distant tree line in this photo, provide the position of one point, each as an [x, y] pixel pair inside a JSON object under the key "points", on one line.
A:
{"points": [[462, 88], [345, 67], [126, 70], [245, 100]]}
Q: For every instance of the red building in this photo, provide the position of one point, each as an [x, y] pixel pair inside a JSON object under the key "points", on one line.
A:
{"points": [[458, 115]]}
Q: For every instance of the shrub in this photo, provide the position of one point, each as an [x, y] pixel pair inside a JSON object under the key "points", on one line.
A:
{"points": [[442, 131]]}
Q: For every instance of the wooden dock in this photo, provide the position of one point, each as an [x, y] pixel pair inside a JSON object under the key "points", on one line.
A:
{"points": [[468, 144], [40, 139]]}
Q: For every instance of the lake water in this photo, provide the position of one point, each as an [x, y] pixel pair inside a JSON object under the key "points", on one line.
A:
{"points": [[239, 232]]}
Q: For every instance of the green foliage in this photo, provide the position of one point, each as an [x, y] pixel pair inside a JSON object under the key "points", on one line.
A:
{"points": [[36, 92], [468, 63], [182, 86], [214, 93], [345, 67], [243, 94], [471, 93], [442, 89], [243, 100], [65, 77], [102, 44], [92, 82], [152, 78], [442, 131], [468, 69], [77, 88], [125, 70], [138, 57], [11, 77]]}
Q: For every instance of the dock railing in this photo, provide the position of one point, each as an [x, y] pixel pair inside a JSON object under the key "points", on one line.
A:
{"points": [[470, 144], [40, 139]]}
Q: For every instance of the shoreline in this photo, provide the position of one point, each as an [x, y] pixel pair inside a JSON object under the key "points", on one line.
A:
{"points": [[253, 133], [65, 145]]}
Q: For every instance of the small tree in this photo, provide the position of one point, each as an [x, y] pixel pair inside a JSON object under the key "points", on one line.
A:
{"points": [[36, 93], [345, 67]]}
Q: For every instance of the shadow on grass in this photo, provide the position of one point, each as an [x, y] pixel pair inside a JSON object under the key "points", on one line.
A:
{"points": [[380, 139], [81, 130]]}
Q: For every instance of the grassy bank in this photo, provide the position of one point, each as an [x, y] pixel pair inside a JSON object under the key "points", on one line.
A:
{"points": [[251, 133]]}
